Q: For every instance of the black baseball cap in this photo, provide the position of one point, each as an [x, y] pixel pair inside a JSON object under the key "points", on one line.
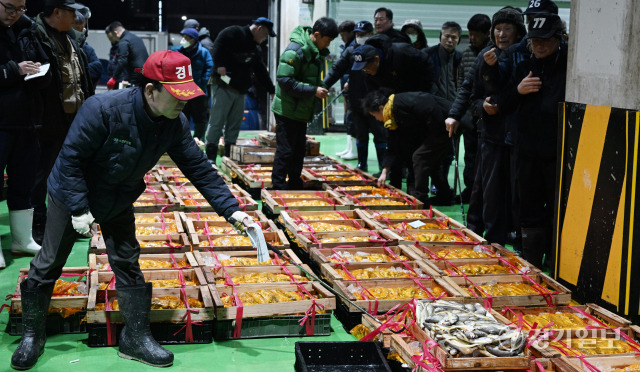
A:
{"points": [[363, 55], [545, 26], [363, 26], [64, 4], [541, 6], [266, 22]]}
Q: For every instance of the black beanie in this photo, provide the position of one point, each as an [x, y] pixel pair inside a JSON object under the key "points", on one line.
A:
{"points": [[512, 15]]}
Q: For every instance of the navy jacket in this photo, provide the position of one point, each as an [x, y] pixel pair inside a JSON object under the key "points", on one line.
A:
{"points": [[131, 54], [112, 143]]}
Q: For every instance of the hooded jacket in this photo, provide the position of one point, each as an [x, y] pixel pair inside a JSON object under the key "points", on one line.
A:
{"points": [[20, 100], [111, 145], [298, 76]]}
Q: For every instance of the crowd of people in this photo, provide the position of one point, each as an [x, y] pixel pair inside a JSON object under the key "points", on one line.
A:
{"points": [[81, 155]]}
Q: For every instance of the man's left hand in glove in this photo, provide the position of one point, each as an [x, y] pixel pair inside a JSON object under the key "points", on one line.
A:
{"points": [[240, 220]]}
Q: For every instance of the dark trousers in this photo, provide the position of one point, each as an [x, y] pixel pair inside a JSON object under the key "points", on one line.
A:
{"points": [[496, 212], [536, 189], [123, 249], [49, 150], [470, 138], [290, 149], [474, 214], [19, 154], [426, 163], [197, 109]]}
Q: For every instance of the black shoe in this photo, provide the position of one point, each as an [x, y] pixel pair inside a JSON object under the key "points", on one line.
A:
{"points": [[377, 175], [442, 201], [35, 308], [136, 341]]}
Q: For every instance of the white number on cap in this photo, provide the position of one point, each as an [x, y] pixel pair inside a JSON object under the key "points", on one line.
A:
{"points": [[180, 72], [357, 58], [534, 4], [538, 22]]}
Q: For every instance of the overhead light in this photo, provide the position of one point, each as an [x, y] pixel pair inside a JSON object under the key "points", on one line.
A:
{"points": [[184, 17]]}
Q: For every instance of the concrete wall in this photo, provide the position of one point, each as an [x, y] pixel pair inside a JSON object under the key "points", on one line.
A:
{"points": [[604, 53]]}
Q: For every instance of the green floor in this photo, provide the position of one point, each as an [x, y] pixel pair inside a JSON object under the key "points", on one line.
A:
{"points": [[71, 353]]}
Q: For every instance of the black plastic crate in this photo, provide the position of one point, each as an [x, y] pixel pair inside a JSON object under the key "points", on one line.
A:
{"points": [[275, 326], [162, 332], [352, 356], [56, 324]]}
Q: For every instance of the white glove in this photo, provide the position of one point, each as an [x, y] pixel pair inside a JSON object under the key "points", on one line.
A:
{"points": [[82, 223], [239, 220]]}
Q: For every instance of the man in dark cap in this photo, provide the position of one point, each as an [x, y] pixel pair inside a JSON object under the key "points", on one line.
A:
{"points": [[114, 140], [62, 99], [537, 86], [236, 58], [130, 55]]}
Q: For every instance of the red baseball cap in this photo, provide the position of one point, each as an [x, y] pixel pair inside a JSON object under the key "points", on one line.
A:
{"points": [[173, 70]]}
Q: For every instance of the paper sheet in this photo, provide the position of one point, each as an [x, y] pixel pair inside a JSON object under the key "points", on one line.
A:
{"points": [[225, 78], [254, 231], [43, 70]]}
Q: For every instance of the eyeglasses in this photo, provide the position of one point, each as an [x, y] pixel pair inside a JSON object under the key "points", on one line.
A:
{"points": [[11, 10]]}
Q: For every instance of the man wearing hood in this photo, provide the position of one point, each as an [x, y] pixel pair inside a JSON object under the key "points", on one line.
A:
{"points": [[236, 58], [197, 109], [413, 29], [299, 88]]}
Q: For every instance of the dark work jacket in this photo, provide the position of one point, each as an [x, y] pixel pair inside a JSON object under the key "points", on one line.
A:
{"points": [[420, 118], [397, 36], [342, 67], [472, 79], [112, 143], [130, 55], [95, 66], [434, 54], [56, 123], [537, 114], [402, 68], [236, 50], [20, 100]]}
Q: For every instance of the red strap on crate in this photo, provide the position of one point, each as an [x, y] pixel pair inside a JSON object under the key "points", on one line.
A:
{"points": [[434, 365], [392, 321]]}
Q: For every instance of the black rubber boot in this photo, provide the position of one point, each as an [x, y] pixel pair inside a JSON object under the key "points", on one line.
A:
{"points": [[37, 230], [35, 308], [363, 154], [227, 149], [212, 152], [533, 245], [136, 341]]}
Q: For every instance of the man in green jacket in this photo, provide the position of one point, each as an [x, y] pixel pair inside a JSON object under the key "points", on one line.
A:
{"points": [[299, 86]]}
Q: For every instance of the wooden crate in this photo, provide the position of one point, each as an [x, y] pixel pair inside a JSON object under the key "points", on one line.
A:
{"points": [[194, 274], [203, 260], [220, 227], [414, 224], [177, 243], [322, 256], [213, 274], [323, 297], [386, 305], [368, 191], [542, 349], [603, 363], [212, 216], [190, 199], [420, 270], [610, 319], [361, 198], [374, 238], [312, 147], [513, 264], [201, 293], [410, 215], [278, 203], [439, 252], [201, 242], [352, 177], [563, 296], [155, 202], [316, 227], [69, 273], [292, 217], [468, 237], [252, 154], [253, 176], [100, 262], [158, 217]]}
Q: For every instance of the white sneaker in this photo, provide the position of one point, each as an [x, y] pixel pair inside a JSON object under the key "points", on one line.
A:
{"points": [[21, 222], [346, 151], [352, 154], [2, 263]]}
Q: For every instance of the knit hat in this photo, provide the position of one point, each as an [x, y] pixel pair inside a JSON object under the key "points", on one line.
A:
{"points": [[511, 15], [541, 6], [545, 26], [173, 70], [191, 32], [412, 23]]}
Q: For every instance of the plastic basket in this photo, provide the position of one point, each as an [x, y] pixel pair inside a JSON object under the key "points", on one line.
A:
{"points": [[276, 326], [352, 356], [164, 333], [56, 324]]}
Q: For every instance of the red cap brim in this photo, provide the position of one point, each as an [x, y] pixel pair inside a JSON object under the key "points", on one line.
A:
{"points": [[184, 91]]}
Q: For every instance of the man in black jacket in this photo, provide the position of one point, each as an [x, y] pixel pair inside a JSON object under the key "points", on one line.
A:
{"points": [[115, 139], [383, 23], [69, 88], [20, 112], [130, 55], [235, 59]]}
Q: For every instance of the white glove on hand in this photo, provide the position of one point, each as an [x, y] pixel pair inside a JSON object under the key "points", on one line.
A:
{"points": [[82, 223], [240, 221]]}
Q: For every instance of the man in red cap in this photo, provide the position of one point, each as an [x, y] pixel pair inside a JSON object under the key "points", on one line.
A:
{"points": [[113, 141]]}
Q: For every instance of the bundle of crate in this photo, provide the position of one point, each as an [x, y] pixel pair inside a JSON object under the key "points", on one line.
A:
{"points": [[257, 299]]}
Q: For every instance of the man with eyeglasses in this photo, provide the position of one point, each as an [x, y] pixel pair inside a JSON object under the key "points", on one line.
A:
{"points": [[69, 88], [20, 112]]}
